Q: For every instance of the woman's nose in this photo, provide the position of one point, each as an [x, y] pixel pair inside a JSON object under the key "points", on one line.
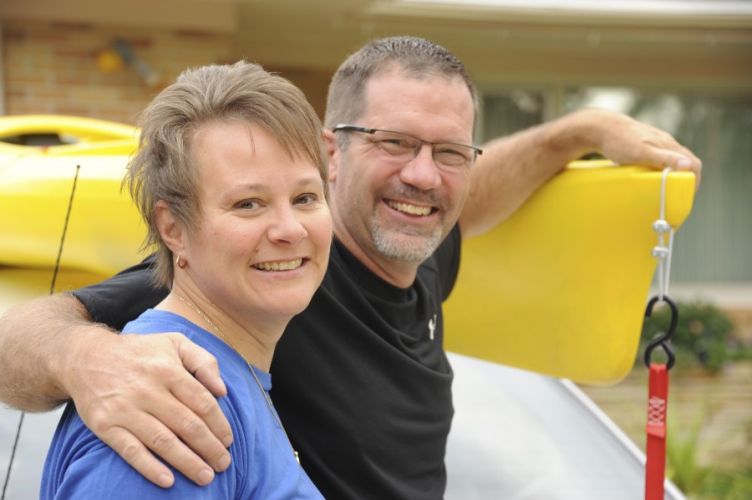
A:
{"points": [[287, 227]]}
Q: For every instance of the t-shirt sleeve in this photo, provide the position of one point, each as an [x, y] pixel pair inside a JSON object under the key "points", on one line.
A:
{"points": [[123, 297], [89, 469], [448, 261], [102, 474]]}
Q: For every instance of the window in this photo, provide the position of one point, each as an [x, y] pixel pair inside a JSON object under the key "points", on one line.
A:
{"points": [[714, 244]]}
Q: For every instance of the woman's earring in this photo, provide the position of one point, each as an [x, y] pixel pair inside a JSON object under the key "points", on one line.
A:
{"points": [[179, 261]]}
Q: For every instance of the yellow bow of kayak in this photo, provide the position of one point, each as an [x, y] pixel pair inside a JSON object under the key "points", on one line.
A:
{"points": [[559, 288]]}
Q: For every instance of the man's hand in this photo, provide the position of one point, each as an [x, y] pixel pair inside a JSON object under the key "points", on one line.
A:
{"points": [[151, 393], [512, 168], [627, 141]]}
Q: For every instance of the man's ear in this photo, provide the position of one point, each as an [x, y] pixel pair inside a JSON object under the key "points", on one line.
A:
{"points": [[170, 229], [330, 141]]}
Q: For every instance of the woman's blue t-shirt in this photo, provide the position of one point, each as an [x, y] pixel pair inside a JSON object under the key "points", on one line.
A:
{"points": [[81, 466]]}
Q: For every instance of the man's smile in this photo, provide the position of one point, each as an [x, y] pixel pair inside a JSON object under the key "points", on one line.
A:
{"points": [[410, 208]]}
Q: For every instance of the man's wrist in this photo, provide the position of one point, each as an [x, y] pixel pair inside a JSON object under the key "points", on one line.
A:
{"points": [[579, 133], [76, 341]]}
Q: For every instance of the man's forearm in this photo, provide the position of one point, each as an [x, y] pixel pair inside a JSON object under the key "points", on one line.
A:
{"points": [[37, 339], [513, 168]]}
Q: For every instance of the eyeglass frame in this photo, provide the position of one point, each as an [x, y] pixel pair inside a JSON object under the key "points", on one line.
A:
{"points": [[347, 127]]}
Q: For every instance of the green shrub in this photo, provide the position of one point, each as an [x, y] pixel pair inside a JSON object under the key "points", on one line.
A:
{"points": [[704, 335]]}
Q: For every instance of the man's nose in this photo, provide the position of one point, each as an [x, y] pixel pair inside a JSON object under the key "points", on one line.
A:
{"points": [[422, 172]]}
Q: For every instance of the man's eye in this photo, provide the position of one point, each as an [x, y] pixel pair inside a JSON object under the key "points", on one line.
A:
{"points": [[451, 156], [396, 145]]}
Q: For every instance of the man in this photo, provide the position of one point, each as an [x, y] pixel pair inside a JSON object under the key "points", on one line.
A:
{"points": [[361, 380]]}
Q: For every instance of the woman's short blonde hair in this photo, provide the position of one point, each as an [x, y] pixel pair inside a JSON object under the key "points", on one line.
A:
{"points": [[163, 168]]}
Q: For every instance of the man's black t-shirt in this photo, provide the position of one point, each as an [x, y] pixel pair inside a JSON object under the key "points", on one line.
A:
{"points": [[360, 378]]}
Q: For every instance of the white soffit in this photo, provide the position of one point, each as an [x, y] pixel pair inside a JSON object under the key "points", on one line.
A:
{"points": [[680, 12]]}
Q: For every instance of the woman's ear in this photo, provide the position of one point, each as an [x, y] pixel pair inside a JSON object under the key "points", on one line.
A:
{"points": [[330, 141], [170, 229]]}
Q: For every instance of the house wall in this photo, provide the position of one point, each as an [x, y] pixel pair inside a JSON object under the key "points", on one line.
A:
{"points": [[55, 67]]}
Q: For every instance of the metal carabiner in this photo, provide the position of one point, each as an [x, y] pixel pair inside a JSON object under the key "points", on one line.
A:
{"points": [[662, 340]]}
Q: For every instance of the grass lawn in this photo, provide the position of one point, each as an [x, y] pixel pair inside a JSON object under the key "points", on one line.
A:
{"points": [[710, 426]]}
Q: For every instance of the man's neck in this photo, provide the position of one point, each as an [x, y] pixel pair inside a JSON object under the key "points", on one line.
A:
{"points": [[397, 273]]}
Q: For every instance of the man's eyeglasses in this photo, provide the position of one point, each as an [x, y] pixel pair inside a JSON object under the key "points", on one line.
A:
{"points": [[404, 147]]}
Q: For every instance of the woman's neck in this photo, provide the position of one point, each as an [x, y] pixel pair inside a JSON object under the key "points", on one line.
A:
{"points": [[254, 340]]}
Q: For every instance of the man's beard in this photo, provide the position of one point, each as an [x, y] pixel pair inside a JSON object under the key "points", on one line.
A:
{"points": [[403, 246]]}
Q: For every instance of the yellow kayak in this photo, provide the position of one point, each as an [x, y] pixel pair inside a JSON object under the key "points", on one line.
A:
{"points": [[559, 288], [104, 231], [64, 135]]}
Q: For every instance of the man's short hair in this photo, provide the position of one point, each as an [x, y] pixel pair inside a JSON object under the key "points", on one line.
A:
{"points": [[416, 57]]}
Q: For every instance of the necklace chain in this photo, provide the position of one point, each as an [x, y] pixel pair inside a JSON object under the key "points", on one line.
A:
{"points": [[222, 336]]}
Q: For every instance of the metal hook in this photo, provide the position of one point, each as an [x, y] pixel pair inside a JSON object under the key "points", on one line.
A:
{"points": [[662, 340]]}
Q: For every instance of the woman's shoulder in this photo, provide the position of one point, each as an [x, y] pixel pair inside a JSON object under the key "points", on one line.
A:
{"points": [[156, 321], [79, 465], [161, 321]]}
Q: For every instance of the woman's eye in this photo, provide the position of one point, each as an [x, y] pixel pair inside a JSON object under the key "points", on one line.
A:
{"points": [[306, 199], [247, 204]]}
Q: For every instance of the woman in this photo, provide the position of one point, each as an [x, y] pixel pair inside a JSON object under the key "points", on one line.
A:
{"points": [[231, 179]]}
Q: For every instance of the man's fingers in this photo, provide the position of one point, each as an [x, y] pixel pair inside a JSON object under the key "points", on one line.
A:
{"points": [[205, 428], [628, 141], [202, 365], [195, 418], [691, 163], [137, 456], [146, 434], [162, 441], [205, 369], [160, 409], [684, 160]]}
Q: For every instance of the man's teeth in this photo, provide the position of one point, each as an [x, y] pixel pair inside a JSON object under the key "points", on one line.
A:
{"points": [[279, 266], [409, 209]]}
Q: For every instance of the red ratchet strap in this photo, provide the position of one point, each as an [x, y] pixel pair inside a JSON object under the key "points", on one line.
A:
{"points": [[655, 464], [655, 467]]}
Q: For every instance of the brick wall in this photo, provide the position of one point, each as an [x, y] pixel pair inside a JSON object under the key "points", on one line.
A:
{"points": [[52, 67]]}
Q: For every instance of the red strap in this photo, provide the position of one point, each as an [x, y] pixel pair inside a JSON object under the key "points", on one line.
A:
{"points": [[655, 468]]}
